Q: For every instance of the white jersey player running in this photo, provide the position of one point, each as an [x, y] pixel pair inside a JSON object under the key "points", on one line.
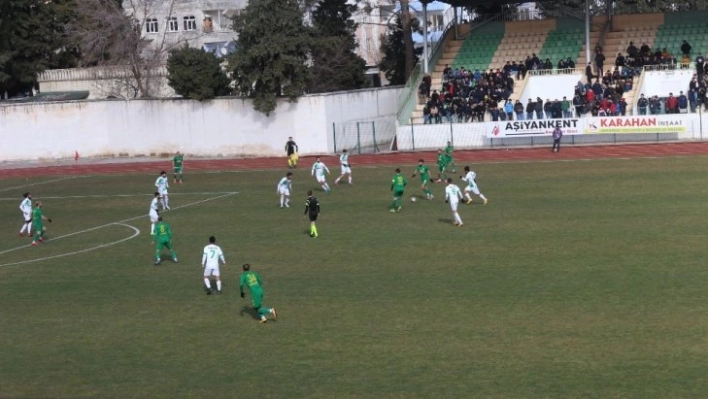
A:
{"points": [[472, 187], [346, 167], [210, 262], [453, 195], [284, 188], [26, 208], [153, 212], [163, 183], [318, 170]]}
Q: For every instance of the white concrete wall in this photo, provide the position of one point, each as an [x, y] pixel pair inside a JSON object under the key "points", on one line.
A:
{"points": [[661, 83], [549, 87], [222, 127]]}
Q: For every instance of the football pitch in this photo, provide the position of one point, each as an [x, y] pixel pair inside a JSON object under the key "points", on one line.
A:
{"points": [[579, 279]]}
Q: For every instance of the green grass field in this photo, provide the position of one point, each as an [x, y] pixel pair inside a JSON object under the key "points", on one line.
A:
{"points": [[579, 279]]}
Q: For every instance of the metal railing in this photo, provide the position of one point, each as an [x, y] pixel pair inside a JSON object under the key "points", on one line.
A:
{"points": [[556, 71], [409, 96]]}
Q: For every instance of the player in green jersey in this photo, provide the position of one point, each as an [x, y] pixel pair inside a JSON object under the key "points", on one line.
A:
{"points": [[398, 186], [37, 220], [442, 166], [253, 281], [163, 238], [177, 162], [450, 159], [424, 172]]}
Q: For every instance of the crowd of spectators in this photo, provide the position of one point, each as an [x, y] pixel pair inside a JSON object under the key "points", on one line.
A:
{"points": [[469, 96]]}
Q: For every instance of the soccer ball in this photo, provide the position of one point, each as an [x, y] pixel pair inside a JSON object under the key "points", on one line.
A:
{"points": [[414, 199]]}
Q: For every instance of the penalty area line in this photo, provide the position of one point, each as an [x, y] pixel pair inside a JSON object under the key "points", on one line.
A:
{"points": [[120, 222], [136, 232]]}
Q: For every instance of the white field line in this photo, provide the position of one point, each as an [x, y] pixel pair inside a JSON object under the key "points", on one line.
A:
{"points": [[114, 195], [119, 222], [38, 183], [135, 234]]}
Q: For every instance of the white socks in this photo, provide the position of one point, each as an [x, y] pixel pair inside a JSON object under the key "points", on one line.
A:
{"points": [[27, 226], [207, 282], [458, 219], [152, 229]]}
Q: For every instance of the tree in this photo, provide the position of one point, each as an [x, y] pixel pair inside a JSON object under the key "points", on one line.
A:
{"points": [[196, 74], [33, 39], [394, 59], [407, 22], [335, 64], [272, 54], [112, 35]]}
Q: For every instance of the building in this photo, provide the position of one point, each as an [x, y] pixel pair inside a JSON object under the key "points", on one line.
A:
{"points": [[200, 23]]}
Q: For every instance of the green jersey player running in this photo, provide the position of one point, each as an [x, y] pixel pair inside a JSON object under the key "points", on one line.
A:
{"points": [[398, 186], [253, 281], [442, 166], [177, 166], [450, 160], [424, 173]]}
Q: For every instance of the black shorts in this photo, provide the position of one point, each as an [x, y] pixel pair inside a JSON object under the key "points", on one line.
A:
{"points": [[313, 217]]}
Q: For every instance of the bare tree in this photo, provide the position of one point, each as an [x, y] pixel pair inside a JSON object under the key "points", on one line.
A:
{"points": [[127, 43]]}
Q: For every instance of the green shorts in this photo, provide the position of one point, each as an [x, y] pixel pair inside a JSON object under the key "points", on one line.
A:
{"points": [[425, 181], [257, 298], [178, 170], [162, 244], [398, 193]]}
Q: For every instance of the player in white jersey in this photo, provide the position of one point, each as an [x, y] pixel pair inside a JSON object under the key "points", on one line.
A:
{"points": [[470, 177], [283, 189], [153, 212], [453, 195], [163, 183], [318, 170], [26, 208], [210, 263], [346, 167]]}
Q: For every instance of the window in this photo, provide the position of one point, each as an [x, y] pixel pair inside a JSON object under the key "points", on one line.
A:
{"points": [[172, 24], [190, 23], [151, 25]]}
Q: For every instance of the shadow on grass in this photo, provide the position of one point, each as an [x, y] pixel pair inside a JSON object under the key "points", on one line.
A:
{"points": [[443, 220], [249, 311]]}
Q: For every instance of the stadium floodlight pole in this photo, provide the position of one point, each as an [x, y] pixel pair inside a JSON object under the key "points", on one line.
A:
{"points": [[425, 36], [587, 31]]}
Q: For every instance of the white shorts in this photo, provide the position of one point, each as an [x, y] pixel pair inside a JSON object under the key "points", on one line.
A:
{"points": [[27, 216], [162, 192], [453, 205], [474, 189], [153, 216], [211, 271], [320, 179], [284, 191], [346, 170]]}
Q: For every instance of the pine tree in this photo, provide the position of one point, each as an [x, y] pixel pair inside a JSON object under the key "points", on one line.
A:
{"points": [[32, 39], [272, 54], [196, 74], [335, 64], [393, 63]]}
